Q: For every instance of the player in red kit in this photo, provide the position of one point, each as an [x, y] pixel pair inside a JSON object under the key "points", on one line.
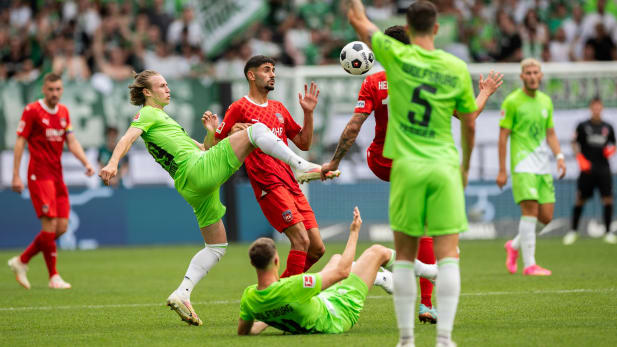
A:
{"points": [[273, 182], [45, 125], [373, 97]]}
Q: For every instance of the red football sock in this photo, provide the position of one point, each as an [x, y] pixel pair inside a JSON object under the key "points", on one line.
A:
{"points": [[32, 249], [427, 256], [295, 263], [310, 261], [48, 247]]}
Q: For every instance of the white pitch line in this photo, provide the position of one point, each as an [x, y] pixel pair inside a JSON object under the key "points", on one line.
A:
{"points": [[225, 302]]}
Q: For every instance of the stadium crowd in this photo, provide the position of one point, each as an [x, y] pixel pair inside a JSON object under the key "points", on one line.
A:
{"points": [[109, 39]]}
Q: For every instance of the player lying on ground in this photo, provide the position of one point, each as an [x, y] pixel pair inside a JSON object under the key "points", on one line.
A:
{"points": [[198, 170], [373, 98], [425, 87], [276, 190], [45, 125], [326, 302]]}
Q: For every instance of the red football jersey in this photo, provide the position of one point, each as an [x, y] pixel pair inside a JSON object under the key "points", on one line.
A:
{"points": [[264, 171], [45, 130], [373, 97]]}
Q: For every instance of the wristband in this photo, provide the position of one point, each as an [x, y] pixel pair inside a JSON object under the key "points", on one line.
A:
{"points": [[560, 156]]}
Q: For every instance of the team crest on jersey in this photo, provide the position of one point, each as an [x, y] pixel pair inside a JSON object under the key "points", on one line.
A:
{"points": [[63, 122], [360, 104], [45, 208], [136, 118], [220, 128], [287, 216], [280, 117], [604, 131], [308, 281]]}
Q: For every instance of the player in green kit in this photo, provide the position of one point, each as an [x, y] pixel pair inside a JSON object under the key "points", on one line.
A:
{"points": [[425, 87], [326, 302], [198, 170], [528, 119]]}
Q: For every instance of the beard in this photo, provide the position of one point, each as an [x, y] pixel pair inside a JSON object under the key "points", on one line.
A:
{"points": [[269, 87]]}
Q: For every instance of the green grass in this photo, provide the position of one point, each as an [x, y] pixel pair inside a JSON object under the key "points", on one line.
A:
{"points": [[118, 298]]}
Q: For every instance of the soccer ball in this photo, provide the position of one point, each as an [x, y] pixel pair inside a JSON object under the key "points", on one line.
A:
{"points": [[356, 58]]}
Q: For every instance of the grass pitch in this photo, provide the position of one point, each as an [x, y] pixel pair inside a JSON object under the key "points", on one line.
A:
{"points": [[118, 298]]}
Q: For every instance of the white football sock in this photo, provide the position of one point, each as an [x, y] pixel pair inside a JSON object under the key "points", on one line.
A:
{"points": [[527, 231], [262, 138], [448, 291], [199, 266], [405, 293], [428, 271], [516, 242]]}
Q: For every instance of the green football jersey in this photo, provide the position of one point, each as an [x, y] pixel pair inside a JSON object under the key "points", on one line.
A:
{"points": [[166, 140], [528, 118], [424, 89], [291, 304]]}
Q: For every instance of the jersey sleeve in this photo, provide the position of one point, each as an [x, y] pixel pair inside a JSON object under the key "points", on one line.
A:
{"points": [[578, 134], [466, 102], [291, 127], [385, 48], [69, 126], [305, 286], [365, 98], [144, 120], [25, 124], [611, 135], [245, 313], [549, 120], [507, 113], [232, 116]]}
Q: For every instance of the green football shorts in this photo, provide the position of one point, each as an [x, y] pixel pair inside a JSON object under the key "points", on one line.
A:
{"points": [[344, 302], [530, 186], [205, 173], [426, 196]]}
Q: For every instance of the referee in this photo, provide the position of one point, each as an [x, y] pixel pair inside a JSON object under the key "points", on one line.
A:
{"points": [[593, 144]]}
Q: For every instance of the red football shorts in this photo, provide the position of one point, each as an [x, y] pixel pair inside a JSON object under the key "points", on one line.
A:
{"points": [[380, 166], [284, 209], [50, 198]]}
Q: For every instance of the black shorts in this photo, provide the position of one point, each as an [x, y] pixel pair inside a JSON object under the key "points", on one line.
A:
{"points": [[602, 179]]}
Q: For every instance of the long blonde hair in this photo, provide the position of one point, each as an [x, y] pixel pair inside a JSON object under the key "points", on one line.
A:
{"points": [[141, 82]]}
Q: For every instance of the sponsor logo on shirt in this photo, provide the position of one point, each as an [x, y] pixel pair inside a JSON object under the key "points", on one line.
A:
{"points": [[280, 117], [308, 281], [54, 134], [360, 104], [277, 131], [287, 216], [383, 85], [220, 128]]}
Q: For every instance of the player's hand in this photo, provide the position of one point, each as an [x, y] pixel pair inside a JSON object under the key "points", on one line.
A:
{"points": [[210, 121], [311, 96], [89, 170], [502, 179], [239, 127], [357, 221], [609, 151], [108, 172], [493, 81], [561, 168], [326, 167], [17, 185]]}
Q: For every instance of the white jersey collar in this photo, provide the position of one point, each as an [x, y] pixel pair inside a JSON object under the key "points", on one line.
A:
{"points": [[46, 108], [265, 104]]}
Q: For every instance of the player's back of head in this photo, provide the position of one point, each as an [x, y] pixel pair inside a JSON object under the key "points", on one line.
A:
{"points": [[257, 61], [141, 82], [262, 252], [421, 17], [398, 32]]}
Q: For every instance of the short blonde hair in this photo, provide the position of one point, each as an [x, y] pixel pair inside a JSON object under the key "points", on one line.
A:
{"points": [[530, 62]]}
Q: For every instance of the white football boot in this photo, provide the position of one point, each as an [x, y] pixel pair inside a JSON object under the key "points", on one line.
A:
{"points": [[56, 282], [20, 270], [183, 308]]}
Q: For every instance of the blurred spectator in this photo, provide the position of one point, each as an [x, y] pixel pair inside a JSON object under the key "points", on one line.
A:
{"points": [[509, 44], [296, 41], [560, 49], [164, 62], [89, 18], [450, 21], [603, 45], [481, 32], [105, 152], [556, 20], [315, 13], [591, 20], [113, 62], [27, 73], [230, 66], [186, 24], [589, 52], [380, 10], [534, 35], [20, 14], [69, 64], [157, 16], [263, 43]]}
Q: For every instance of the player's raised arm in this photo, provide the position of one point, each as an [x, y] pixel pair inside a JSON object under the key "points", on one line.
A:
{"points": [[78, 151], [341, 268], [347, 139], [123, 146], [359, 21], [308, 102], [487, 87]]}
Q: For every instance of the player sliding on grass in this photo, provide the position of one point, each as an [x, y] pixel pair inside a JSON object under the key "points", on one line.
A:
{"points": [[198, 170], [373, 98], [425, 87], [275, 187], [326, 302]]}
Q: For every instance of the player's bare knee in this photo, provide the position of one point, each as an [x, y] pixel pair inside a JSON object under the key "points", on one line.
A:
{"points": [[545, 219], [379, 251], [300, 242], [317, 251]]}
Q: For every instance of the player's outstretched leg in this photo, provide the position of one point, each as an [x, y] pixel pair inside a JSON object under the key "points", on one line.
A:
{"points": [[426, 312], [369, 267], [261, 137], [201, 263]]}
